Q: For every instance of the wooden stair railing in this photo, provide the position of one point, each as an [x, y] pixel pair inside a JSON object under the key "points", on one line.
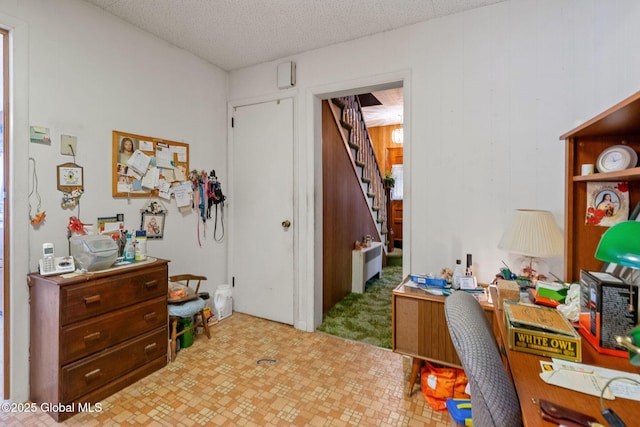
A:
{"points": [[358, 141]]}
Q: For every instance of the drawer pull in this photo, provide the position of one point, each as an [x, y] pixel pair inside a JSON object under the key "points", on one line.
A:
{"points": [[149, 348], [151, 284], [92, 337], [92, 299], [92, 375], [150, 316]]}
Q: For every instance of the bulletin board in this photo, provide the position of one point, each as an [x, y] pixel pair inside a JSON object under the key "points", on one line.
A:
{"points": [[144, 165]]}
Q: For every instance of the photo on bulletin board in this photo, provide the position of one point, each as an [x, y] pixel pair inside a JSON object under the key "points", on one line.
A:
{"points": [[142, 163]]}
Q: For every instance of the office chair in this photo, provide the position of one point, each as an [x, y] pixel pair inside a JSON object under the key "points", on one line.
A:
{"points": [[184, 309], [494, 402]]}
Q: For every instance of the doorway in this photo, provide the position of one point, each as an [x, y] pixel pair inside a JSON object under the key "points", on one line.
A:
{"points": [[382, 111]]}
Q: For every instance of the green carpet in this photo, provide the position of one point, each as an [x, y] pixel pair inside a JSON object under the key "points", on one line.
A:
{"points": [[365, 317]]}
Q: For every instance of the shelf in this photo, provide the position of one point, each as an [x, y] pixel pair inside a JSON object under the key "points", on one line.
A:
{"points": [[623, 175], [619, 124]]}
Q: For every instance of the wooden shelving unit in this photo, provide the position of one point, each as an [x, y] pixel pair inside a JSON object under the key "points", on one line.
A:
{"points": [[618, 125]]}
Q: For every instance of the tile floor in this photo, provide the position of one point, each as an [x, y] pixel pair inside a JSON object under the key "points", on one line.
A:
{"points": [[316, 380]]}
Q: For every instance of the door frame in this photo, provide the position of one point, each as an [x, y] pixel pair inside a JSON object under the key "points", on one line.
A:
{"points": [[6, 131], [313, 137], [16, 342]]}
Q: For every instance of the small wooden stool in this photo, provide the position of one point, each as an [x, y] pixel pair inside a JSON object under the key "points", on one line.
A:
{"points": [[186, 308]]}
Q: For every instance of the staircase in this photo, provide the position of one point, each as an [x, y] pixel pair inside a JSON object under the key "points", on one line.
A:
{"points": [[348, 114]]}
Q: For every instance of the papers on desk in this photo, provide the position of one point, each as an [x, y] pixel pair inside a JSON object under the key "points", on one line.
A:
{"points": [[590, 379]]}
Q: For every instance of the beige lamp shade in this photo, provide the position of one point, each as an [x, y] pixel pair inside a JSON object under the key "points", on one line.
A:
{"points": [[533, 233]]}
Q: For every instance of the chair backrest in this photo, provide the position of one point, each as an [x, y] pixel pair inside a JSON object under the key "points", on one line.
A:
{"points": [[494, 401], [186, 278]]}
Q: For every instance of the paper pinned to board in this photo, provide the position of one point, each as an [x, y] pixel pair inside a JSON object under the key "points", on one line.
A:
{"points": [[139, 162]]}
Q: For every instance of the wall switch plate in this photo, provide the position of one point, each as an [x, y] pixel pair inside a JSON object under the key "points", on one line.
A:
{"points": [[68, 145]]}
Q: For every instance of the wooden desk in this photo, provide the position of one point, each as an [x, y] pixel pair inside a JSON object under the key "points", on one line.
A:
{"points": [[525, 369], [420, 329]]}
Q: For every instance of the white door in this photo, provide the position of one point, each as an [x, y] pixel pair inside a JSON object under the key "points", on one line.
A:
{"points": [[262, 199]]}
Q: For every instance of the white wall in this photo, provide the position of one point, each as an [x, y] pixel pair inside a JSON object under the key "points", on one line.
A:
{"points": [[89, 74], [487, 94]]}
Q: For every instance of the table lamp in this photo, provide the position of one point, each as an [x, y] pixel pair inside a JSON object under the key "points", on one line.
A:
{"points": [[533, 234], [620, 244]]}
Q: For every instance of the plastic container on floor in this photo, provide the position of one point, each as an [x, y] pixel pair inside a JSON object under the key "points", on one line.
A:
{"points": [[223, 301], [186, 339]]}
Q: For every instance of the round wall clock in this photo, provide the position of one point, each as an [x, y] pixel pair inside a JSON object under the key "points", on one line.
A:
{"points": [[616, 158]]}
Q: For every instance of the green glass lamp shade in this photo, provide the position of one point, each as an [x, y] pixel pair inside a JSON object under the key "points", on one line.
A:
{"points": [[620, 244]]}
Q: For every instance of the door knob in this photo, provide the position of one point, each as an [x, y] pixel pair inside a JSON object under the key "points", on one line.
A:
{"points": [[286, 224]]}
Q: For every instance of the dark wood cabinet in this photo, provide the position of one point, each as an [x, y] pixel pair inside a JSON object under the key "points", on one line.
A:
{"points": [[619, 125], [93, 335]]}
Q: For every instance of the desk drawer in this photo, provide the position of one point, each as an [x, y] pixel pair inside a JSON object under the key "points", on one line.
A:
{"points": [[89, 374], [87, 337], [81, 301]]}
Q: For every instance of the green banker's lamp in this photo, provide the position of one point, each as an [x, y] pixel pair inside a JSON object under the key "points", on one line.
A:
{"points": [[620, 244]]}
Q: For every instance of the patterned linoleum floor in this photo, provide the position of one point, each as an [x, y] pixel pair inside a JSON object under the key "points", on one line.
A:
{"points": [[316, 380]]}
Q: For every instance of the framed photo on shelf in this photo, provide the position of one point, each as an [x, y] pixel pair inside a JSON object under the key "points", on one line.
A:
{"points": [[153, 224]]}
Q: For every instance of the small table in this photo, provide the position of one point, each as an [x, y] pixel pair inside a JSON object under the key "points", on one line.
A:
{"points": [[419, 328]]}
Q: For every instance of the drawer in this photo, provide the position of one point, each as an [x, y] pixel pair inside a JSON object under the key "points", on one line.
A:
{"points": [[81, 301], [84, 338], [86, 375]]}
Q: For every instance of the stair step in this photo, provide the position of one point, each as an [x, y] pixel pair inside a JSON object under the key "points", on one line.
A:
{"points": [[370, 194], [360, 164], [354, 146], [375, 208], [338, 102], [365, 180], [346, 125]]}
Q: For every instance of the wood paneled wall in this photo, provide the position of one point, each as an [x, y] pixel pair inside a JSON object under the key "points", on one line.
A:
{"points": [[381, 140], [345, 216]]}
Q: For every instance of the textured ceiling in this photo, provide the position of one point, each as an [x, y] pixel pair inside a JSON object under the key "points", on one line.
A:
{"points": [[239, 33], [233, 34]]}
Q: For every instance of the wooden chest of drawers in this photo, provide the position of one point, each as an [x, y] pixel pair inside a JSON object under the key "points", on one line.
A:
{"points": [[94, 335]]}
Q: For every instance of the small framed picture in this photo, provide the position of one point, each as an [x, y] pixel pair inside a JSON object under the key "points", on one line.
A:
{"points": [[468, 282], [70, 177], [153, 224]]}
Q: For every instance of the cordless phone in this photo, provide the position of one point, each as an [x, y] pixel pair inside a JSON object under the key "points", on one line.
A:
{"points": [[50, 264]]}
